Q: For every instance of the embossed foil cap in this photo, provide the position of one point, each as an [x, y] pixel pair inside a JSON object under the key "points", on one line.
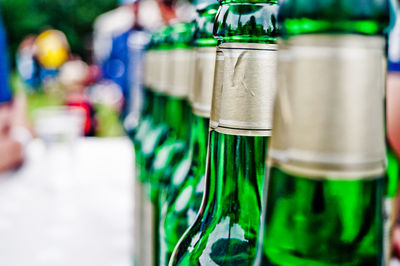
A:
{"points": [[201, 96], [243, 101], [329, 113]]}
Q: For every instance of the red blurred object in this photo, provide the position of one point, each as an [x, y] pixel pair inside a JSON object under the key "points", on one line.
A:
{"points": [[87, 107]]}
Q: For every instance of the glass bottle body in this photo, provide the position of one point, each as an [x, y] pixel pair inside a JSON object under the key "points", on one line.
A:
{"points": [[177, 114], [323, 222], [186, 191], [181, 209], [167, 157], [226, 230], [177, 110], [328, 215]]}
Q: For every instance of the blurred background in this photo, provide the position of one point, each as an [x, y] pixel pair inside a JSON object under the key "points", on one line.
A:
{"points": [[35, 62]]}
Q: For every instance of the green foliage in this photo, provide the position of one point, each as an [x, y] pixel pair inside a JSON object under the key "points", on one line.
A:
{"points": [[73, 17]]}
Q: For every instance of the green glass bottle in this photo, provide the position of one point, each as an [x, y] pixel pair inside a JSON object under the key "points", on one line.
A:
{"points": [[151, 132], [151, 70], [185, 192], [155, 133], [158, 66], [177, 114], [225, 231], [177, 109], [325, 178], [140, 202]]}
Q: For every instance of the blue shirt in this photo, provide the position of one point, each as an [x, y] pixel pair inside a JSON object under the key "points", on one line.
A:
{"points": [[5, 92], [394, 47], [115, 68]]}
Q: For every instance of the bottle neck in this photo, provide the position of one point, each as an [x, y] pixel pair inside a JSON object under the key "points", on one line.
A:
{"points": [[182, 35], [204, 33], [178, 116], [247, 22], [158, 110], [199, 139], [148, 103], [342, 16]]}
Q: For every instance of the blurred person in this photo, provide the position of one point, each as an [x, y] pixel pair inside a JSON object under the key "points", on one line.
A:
{"points": [[169, 12], [114, 57], [110, 49], [114, 31], [14, 132], [75, 77], [11, 150], [138, 40]]}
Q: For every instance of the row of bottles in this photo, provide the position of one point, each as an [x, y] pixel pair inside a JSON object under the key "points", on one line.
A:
{"points": [[262, 136]]}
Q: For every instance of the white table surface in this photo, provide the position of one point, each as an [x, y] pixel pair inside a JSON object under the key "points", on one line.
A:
{"points": [[69, 206]]}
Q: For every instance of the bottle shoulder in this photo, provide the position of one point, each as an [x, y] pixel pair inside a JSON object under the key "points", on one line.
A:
{"points": [[299, 17], [246, 22]]}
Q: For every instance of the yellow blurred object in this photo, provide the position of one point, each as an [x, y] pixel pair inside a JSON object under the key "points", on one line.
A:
{"points": [[52, 49]]}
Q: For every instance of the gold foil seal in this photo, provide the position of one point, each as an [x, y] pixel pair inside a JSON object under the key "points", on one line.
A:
{"points": [[203, 81], [329, 111], [182, 74], [245, 98]]}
